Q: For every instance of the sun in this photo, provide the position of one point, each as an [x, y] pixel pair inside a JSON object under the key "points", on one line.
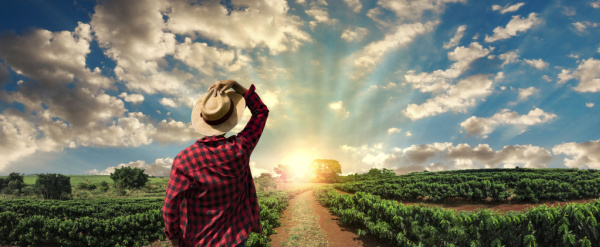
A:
{"points": [[299, 162]]}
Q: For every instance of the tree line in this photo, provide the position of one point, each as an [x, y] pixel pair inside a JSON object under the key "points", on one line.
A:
{"points": [[58, 186]]}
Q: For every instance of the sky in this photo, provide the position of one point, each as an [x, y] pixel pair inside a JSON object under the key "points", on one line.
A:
{"points": [[89, 86]]}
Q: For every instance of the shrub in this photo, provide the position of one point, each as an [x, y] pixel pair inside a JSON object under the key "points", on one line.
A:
{"points": [[126, 177], [53, 186]]}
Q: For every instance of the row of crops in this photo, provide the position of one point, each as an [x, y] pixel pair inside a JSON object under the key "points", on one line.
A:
{"points": [[109, 222], [571, 225], [529, 185]]}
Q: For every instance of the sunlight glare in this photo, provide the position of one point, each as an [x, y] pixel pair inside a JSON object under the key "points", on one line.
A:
{"points": [[299, 162]]}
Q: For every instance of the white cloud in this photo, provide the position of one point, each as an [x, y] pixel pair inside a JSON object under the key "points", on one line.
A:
{"points": [[53, 58], [536, 63], [581, 27], [515, 25], [499, 77], [168, 102], [509, 57], [367, 59], [507, 8], [588, 74], [569, 11], [484, 126], [439, 79], [132, 98], [595, 5], [18, 137], [394, 131], [65, 105], [525, 93], [376, 14], [413, 10], [509, 156], [132, 33], [354, 34], [564, 76], [173, 132], [580, 155], [389, 85], [408, 133], [260, 23], [458, 98], [446, 156], [546, 78], [371, 155], [355, 5], [339, 109], [460, 31], [206, 59], [161, 167], [320, 15], [589, 104]]}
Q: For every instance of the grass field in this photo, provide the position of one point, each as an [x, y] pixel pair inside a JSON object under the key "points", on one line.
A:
{"points": [[93, 179]]}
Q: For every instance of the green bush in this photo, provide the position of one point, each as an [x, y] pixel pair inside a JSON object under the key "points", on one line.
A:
{"points": [[126, 177], [53, 186]]}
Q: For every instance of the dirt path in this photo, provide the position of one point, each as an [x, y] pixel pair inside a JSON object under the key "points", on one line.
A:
{"points": [[306, 223]]}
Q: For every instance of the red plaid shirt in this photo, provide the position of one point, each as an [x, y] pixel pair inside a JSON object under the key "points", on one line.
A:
{"points": [[211, 198]]}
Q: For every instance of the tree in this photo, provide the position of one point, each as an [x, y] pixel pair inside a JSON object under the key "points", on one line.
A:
{"points": [[3, 184], [324, 170], [284, 171], [13, 184], [265, 180], [375, 173], [53, 186], [126, 177]]}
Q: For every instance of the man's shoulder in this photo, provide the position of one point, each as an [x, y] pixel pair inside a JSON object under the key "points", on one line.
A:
{"points": [[188, 151]]}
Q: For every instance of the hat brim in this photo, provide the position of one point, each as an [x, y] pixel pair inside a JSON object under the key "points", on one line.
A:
{"points": [[209, 130]]}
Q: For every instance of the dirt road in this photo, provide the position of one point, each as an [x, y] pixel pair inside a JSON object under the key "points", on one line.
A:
{"points": [[306, 223]]}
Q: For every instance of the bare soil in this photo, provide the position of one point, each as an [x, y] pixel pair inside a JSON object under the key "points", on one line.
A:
{"points": [[300, 224], [330, 231]]}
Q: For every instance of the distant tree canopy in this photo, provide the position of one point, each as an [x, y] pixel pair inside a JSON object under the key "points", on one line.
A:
{"points": [[284, 171], [53, 186], [13, 184], [324, 170], [265, 180], [126, 177], [375, 173]]}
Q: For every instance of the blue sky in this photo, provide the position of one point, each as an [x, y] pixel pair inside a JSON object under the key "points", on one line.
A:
{"points": [[88, 86]]}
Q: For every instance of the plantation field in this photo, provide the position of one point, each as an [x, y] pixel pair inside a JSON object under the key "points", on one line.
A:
{"points": [[499, 185], [409, 210], [415, 209], [91, 179], [110, 221]]}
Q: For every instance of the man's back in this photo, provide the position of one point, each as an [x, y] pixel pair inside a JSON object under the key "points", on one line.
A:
{"points": [[212, 179]]}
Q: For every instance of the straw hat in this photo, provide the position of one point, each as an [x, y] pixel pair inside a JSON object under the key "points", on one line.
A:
{"points": [[217, 115]]}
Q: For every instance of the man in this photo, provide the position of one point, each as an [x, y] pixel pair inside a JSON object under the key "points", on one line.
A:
{"points": [[211, 198]]}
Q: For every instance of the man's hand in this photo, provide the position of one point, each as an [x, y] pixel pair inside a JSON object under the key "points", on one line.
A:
{"points": [[222, 86], [175, 242]]}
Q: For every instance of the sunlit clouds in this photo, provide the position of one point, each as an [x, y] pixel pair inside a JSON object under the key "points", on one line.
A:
{"points": [[404, 85]]}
